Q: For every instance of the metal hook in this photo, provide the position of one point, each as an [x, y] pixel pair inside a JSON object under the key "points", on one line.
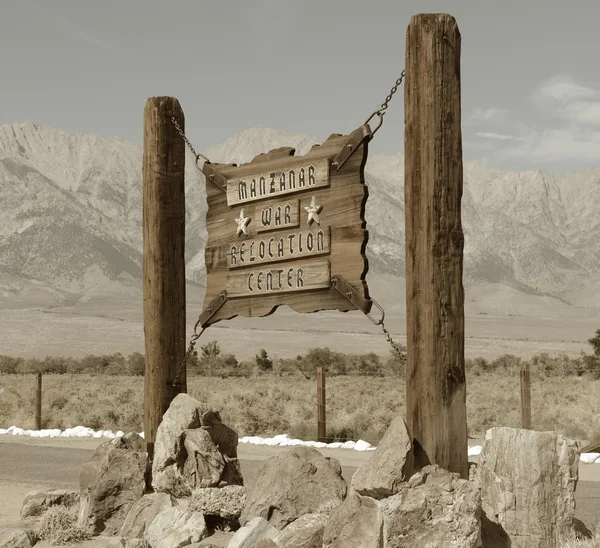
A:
{"points": [[198, 156], [380, 114], [382, 313]]}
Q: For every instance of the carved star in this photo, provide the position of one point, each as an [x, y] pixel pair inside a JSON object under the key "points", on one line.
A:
{"points": [[242, 223], [313, 211]]}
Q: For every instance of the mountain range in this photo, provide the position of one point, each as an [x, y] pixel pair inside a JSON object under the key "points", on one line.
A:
{"points": [[71, 222]]}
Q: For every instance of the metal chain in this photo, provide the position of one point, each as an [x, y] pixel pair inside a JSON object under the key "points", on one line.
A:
{"points": [[198, 155], [394, 89], [190, 349], [395, 346], [381, 110]]}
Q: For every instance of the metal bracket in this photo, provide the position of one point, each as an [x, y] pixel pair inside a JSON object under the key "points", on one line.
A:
{"points": [[357, 137], [345, 289], [214, 176], [213, 307]]}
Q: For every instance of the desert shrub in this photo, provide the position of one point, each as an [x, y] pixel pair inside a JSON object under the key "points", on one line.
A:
{"points": [[136, 363], [333, 363], [59, 526], [507, 362], [369, 364], [9, 365], [262, 360]]}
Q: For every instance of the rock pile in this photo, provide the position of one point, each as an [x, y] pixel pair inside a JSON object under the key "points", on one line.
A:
{"points": [[522, 493]]}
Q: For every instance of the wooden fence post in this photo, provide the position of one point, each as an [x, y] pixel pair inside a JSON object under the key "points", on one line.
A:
{"points": [[321, 416], [435, 369], [164, 264], [38, 403], [525, 396]]}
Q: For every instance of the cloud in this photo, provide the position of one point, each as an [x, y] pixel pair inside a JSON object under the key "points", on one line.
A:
{"points": [[558, 145], [568, 99], [93, 41], [498, 136], [71, 27], [565, 89], [565, 128], [489, 114]]}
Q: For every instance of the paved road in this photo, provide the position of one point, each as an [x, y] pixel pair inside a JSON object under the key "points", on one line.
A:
{"points": [[51, 467]]}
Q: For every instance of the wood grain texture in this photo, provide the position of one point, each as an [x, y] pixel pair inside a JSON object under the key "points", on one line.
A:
{"points": [[263, 183], [280, 246], [164, 265], [343, 204], [436, 388], [287, 278]]}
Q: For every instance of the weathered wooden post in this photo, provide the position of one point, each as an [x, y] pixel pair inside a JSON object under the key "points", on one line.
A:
{"points": [[435, 369], [321, 416], [525, 396], [38, 403], [164, 265]]}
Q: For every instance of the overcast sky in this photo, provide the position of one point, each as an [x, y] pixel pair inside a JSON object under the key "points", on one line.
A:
{"points": [[530, 70]]}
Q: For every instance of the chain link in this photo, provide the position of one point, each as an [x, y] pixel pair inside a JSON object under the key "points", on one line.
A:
{"points": [[401, 354], [394, 89], [196, 154], [190, 349]]}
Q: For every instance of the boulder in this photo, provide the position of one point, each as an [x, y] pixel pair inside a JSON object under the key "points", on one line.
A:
{"points": [[136, 543], [17, 537], [528, 482], [142, 512], [110, 483], [391, 464], [298, 481], [435, 505], [305, 532], [36, 503], [252, 533], [193, 448], [175, 528], [225, 502], [356, 522]]}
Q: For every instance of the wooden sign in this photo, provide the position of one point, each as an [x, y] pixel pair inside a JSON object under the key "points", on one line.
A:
{"points": [[282, 226]]}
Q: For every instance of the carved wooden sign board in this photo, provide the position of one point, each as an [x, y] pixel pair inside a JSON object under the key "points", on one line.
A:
{"points": [[282, 226]]}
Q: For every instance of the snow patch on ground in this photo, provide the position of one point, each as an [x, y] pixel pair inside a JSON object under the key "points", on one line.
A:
{"points": [[281, 440]]}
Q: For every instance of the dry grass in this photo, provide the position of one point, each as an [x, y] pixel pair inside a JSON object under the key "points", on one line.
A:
{"points": [[59, 526], [357, 407]]}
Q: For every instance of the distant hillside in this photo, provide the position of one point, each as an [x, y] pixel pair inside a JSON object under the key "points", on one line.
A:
{"points": [[71, 215]]}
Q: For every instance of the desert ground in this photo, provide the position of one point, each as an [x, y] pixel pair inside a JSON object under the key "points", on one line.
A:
{"points": [[108, 327]]}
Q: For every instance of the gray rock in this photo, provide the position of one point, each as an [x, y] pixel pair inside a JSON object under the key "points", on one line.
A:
{"points": [[36, 503], [105, 542], [250, 534], [390, 465], [193, 448], [528, 482], [204, 464], [17, 538], [356, 522], [434, 505], [305, 532], [137, 543], [266, 543], [110, 483], [226, 502], [143, 511], [175, 528], [298, 481]]}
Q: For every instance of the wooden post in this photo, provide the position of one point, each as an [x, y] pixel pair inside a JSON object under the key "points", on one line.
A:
{"points": [[164, 265], [321, 417], [38, 403], [435, 369], [525, 397]]}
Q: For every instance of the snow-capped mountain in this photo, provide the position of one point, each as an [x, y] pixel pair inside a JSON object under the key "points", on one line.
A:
{"points": [[71, 218]]}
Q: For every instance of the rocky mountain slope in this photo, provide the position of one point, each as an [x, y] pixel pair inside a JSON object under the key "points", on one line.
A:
{"points": [[71, 215]]}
